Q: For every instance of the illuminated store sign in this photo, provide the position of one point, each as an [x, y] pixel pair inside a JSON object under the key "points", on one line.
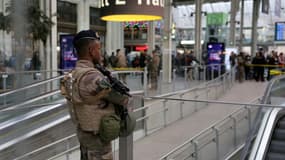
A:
{"points": [[132, 10]]}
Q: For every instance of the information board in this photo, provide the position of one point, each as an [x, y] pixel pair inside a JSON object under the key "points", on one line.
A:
{"points": [[214, 52], [68, 57], [280, 31]]}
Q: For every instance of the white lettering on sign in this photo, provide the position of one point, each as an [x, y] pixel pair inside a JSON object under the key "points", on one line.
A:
{"points": [[162, 3], [104, 3], [120, 2], [140, 2], [152, 2]]}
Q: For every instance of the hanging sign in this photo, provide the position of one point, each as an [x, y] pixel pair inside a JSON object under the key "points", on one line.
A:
{"points": [[132, 10]]}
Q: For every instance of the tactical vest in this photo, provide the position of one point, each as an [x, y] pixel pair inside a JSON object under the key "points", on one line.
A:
{"points": [[87, 111]]}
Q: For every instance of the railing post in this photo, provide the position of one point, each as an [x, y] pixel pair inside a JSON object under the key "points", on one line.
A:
{"points": [[217, 143], [4, 76], [212, 71], [185, 76], [181, 106], [67, 148], [224, 83], [164, 113], [205, 73], [145, 81], [249, 117], [216, 91], [196, 150], [114, 149], [126, 147], [219, 71], [195, 103], [174, 77], [235, 129], [160, 84], [233, 75], [207, 93], [145, 124]]}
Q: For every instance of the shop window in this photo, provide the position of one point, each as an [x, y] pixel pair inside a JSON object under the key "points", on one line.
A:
{"points": [[66, 12], [95, 15], [127, 31]]}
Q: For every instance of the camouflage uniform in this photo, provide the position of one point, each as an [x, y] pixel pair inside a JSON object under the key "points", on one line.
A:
{"points": [[154, 70], [87, 106]]}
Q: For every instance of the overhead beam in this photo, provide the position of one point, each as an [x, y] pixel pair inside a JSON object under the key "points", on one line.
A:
{"points": [[190, 2]]}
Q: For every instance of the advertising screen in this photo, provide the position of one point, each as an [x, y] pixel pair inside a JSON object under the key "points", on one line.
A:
{"points": [[68, 57], [280, 31], [214, 51]]}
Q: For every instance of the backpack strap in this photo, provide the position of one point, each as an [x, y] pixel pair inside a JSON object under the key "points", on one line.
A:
{"points": [[77, 76]]}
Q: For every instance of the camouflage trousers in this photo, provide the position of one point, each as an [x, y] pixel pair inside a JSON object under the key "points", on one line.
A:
{"points": [[92, 148]]}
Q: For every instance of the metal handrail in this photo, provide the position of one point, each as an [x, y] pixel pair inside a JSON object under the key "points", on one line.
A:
{"points": [[47, 146], [30, 86], [34, 71], [220, 102], [29, 115], [206, 86], [209, 128], [34, 106], [127, 71], [63, 153], [34, 132], [16, 106]]}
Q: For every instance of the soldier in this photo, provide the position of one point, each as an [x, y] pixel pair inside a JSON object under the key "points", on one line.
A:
{"points": [[153, 65], [88, 97]]}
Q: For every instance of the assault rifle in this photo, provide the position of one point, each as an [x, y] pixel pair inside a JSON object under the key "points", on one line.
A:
{"points": [[116, 84], [128, 121]]}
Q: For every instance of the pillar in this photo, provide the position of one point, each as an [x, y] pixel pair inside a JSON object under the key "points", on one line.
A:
{"points": [[234, 6], [48, 53], [114, 37], [53, 37], [2, 9], [198, 24], [83, 15], [255, 14], [241, 25], [151, 37], [167, 48]]}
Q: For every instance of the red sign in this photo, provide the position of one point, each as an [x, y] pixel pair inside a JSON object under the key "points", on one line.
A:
{"points": [[141, 48]]}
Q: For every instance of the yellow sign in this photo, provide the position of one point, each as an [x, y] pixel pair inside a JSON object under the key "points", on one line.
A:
{"points": [[132, 10]]}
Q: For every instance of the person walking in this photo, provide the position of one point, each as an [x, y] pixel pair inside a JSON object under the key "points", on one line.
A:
{"points": [[121, 63], [259, 62], [113, 60], [90, 98], [240, 66], [154, 69], [36, 64]]}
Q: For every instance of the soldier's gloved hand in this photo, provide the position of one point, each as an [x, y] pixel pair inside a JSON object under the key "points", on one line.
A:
{"points": [[103, 89], [130, 104], [103, 93]]}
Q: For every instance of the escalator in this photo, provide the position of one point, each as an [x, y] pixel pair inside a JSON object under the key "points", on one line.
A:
{"points": [[277, 143], [33, 116], [267, 138], [270, 140]]}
